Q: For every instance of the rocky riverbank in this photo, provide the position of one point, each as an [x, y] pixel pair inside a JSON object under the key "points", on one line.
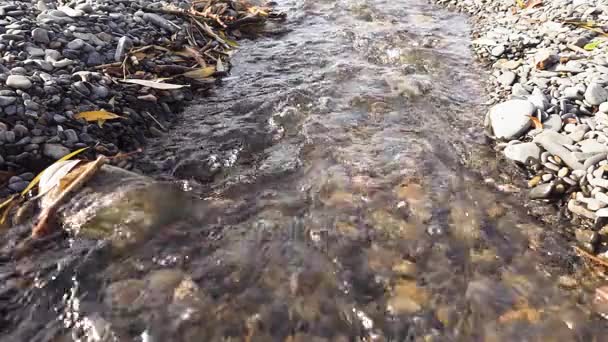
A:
{"points": [[549, 102], [104, 74]]}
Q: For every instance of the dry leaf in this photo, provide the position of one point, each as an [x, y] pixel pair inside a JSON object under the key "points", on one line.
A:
{"points": [[96, 115], [200, 73], [537, 124], [35, 181], [8, 208], [533, 3], [48, 213], [71, 177], [220, 66], [54, 174], [194, 53], [526, 314], [154, 84]]}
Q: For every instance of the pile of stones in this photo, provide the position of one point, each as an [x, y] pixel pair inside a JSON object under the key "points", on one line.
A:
{"points": [[549, 103], [59, 59]]}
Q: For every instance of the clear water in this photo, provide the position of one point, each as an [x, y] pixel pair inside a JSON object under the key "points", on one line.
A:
{"points": [[336, 189]]}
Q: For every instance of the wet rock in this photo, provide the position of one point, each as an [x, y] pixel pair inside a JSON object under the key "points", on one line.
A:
{"points": [[282, 159], [587, 239], [510, 119], [407, 298], [123, 295], [542, 191], [600, 301], [405, 269], [122, 207]]}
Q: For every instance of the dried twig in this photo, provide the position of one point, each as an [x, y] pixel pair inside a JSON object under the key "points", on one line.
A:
{"points": [[210, 32], [48, 213], [157, 122], [590, 256]]}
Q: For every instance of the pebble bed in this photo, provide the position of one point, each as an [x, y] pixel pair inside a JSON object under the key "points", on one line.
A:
{"points": [[549, 100], [51, 53]]}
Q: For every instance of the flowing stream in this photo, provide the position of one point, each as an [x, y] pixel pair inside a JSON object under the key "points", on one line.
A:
{"points": [[341, 181]]}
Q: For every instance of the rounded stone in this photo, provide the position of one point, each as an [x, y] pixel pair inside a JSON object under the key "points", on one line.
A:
{"points": [[18, 82], [511, 119], [522, 152], [40, 35]]}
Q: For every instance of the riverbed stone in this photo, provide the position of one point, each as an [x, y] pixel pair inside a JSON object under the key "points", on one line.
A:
{"points": [[553, 123], [55, 151], [511, 119], [541, 191], [507, 78], [40, 35], [523, 152], [596, 94], [18, 82]]}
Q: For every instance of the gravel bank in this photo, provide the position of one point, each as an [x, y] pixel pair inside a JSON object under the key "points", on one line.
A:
{"points": [[61, 59], [549, 101]]}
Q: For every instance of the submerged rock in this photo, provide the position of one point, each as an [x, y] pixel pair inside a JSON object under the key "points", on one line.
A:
{"points": [[120, 206]]}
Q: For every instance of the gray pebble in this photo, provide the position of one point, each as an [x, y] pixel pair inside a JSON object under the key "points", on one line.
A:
{"points": [[18, 82], [541, 191]]}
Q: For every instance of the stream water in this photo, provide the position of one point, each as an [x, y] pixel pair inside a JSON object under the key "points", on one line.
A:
{"points": [[338, 197]]}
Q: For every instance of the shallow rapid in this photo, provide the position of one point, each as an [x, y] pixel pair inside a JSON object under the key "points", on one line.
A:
{"points": [[336, 189]]}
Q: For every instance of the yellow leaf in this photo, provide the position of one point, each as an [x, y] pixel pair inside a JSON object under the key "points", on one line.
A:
{"points": [[7, 202], [8, 208], [200, 73], [100, 122], [232, 43], [96, 115], [521, 3], [35, 181]]}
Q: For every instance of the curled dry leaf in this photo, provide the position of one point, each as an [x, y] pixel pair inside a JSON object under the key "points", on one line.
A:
{"points": [[536, 122], [200, 73], [53, 174], [198, 57], [48, 213], [525, 314], [533, 3], [35, 181]]}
